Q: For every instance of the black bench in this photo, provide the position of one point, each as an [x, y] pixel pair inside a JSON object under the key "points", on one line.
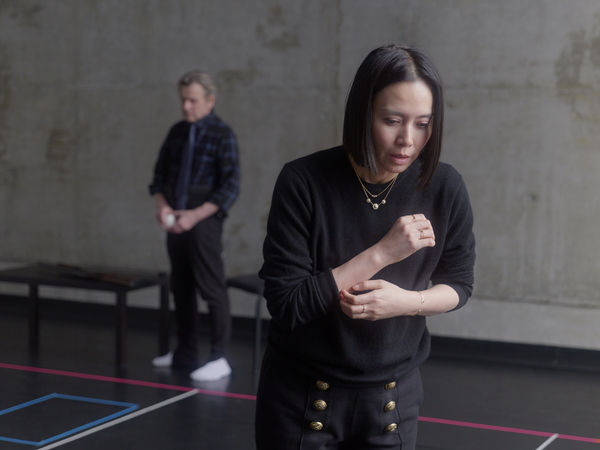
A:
{"points": [[44, 275]]}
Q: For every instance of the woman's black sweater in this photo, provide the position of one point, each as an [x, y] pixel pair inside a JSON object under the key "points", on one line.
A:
{"points": [[320, 219]]}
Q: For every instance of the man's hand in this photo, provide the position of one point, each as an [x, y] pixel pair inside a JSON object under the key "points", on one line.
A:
{"points": [[162, 210], [188, 218]]}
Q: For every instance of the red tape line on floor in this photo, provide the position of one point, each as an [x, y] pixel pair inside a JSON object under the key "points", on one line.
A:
{"points": [[124, 381]]}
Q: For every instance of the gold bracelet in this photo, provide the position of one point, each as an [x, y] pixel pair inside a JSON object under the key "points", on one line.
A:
{"points": [[422, 303]]}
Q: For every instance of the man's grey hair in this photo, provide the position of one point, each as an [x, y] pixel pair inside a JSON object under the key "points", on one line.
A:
{"points": [[202, 78]]}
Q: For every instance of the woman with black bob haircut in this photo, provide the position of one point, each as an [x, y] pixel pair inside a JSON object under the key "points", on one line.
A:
{"points": [[382, 67], [364, 241]]}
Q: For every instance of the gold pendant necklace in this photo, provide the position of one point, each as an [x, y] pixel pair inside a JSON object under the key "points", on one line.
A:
{"points": [[368, 194]]}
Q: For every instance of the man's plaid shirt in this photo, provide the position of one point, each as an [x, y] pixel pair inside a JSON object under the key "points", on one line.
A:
{"points": [[215, 161]]}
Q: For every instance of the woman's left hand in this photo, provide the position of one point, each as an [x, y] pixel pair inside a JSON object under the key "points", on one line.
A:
{"points": [[381, 300]]}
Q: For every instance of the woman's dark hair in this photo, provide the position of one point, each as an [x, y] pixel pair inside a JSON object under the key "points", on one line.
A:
{"points": [[382, 67]]}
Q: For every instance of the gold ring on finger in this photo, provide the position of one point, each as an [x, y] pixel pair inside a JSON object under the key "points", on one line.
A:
{"points": [[422, 234], [364, 309]]}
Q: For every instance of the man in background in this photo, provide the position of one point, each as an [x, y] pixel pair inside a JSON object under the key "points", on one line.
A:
{"points": [[196, 180]]}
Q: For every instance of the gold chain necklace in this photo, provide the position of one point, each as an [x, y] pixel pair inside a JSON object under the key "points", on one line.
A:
{"points": [[368, 194]]}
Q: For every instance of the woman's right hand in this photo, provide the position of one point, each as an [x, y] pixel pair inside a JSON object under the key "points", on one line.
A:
{"points": [[408, 235]]}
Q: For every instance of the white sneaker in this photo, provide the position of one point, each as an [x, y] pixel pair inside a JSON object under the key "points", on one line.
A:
{"points": [[212, 371], [163, 361]]}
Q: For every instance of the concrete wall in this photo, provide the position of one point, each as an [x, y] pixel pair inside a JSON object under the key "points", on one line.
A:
{"points": [[87, 94]]}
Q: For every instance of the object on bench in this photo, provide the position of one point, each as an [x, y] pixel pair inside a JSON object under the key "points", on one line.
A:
{"points": [[42, 275], [109, 277], [252, 284]]}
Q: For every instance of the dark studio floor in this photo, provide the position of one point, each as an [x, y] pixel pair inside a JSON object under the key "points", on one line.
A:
{"points": [[478, 396]]}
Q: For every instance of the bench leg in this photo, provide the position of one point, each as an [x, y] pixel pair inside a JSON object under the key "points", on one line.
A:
{"points": [[121, 336], [34, 318], [257, 338]]}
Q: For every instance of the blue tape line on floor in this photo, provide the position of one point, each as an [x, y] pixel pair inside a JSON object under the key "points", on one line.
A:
{"points": [[129, 407]]}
